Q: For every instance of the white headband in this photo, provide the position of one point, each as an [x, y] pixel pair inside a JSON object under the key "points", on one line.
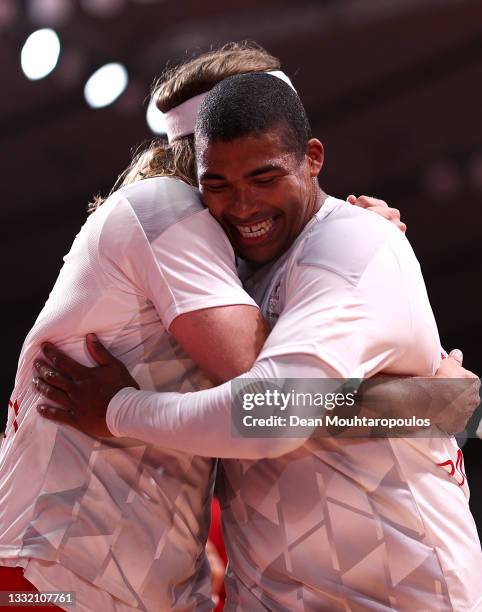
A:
{"points": [[180, 120]]}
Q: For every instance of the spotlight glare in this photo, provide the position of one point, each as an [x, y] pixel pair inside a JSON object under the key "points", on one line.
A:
{"points": [[40, 54], [155, 119], [106, 85]]}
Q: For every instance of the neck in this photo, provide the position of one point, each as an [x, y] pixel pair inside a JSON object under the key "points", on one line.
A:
{"points": [[321, 198], [318, 198]]}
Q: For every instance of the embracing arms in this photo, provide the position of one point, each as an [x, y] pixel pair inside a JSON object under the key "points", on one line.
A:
{"points": [[301, 346]]}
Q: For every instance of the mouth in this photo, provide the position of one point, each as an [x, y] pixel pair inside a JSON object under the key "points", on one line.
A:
{"points": [[256, 233]]}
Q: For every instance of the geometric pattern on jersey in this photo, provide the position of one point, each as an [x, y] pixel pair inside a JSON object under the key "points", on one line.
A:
{"points": [[126, 518], [346, 524], [320, 536]]}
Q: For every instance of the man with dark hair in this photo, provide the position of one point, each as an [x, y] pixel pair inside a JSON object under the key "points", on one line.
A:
{"points": [[314, 523], [254, 110], [272, 115]]}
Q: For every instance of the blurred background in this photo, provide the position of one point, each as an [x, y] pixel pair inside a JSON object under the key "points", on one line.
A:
{"points": [[392, 87]]}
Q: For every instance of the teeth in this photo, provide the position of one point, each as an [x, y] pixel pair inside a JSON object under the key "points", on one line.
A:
{"points": [[256, 230]]}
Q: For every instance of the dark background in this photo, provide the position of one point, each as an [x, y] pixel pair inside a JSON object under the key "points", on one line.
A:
{"points": [[393, 89]]}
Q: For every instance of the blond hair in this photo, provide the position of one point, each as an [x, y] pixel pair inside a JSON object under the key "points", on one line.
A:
{"points": [[175, 86]]}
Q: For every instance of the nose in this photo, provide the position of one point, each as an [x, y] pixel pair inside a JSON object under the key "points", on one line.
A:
{"points": [[242, 204]]}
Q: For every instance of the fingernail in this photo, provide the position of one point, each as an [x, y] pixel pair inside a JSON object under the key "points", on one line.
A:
{"points": [[46, 409], [457, 355]]}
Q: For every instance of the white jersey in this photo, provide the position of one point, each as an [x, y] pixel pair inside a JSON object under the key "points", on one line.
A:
{"points": [[121, 523], [351, 524], [333, 524]]}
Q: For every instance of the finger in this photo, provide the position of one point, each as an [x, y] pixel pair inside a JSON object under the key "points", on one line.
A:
{"points": [[378, 210], [402, 227], [217, 576], [98, 352], [362, 202], [217, 568], [394, 213], [62, 362], [475, 394], [57, 396], [351, 199], [53, 413], [370, 202], [457, 355], [51, 376]]}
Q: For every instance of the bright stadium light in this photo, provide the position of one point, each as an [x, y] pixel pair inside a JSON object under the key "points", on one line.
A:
{"points": [[40, 54], [155, 119], [106, 85]]}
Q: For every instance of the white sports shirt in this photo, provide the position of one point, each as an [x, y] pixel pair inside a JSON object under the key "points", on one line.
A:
{"points": [[333, 524], [121, 523]]}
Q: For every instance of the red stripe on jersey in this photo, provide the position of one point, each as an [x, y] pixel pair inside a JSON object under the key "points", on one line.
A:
{"points": [[448, 462], [459, 466], [15, 410]]}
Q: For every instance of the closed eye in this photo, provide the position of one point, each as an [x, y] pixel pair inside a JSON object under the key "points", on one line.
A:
{"points": [[213, 187], [267, 180]]}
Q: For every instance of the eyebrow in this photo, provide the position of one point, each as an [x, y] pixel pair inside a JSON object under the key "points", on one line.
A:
{"points": [[207, 176], [211, 176], [264, 169]]}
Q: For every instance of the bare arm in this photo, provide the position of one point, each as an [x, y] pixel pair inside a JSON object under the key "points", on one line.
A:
{"points": [[200, 422], [448, 399], [224, 342]]}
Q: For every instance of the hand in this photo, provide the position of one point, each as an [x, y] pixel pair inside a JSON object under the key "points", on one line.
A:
{"points": [[380, 207], [82, 394], [461, 389], [448, 399], [217, 571]]}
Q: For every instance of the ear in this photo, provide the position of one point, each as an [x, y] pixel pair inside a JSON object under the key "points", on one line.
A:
{"points": [[316, 155]]}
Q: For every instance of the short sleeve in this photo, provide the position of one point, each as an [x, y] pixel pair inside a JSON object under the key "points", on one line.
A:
{"points": [[196, 261], [187, 266], [354, 330]]}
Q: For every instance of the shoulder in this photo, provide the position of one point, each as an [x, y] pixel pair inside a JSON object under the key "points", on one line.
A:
{"points": [[146, 209], [345, 239], [162, 213], [159, 203]]}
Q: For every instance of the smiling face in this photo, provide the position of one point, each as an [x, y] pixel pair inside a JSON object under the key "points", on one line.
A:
{"points": [[262, 194]]}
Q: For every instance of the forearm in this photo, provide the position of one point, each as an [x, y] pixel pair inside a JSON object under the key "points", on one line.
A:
{"points": [[397, 398], [196, 423], [402, 396], [200, 423], [447, 402]]}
